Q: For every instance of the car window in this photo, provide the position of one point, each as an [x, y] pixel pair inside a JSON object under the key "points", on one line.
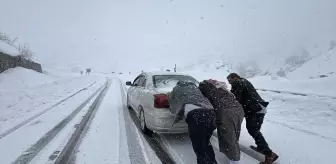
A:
{"points": [[136, 81], [171, 80], [142, 81]]}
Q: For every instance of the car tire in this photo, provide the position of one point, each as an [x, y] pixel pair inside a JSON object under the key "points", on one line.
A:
{"points": [[127, 103], [143, 125]]}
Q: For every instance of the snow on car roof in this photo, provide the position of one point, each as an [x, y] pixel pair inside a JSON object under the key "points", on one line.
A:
{"points": [[165, 73]]}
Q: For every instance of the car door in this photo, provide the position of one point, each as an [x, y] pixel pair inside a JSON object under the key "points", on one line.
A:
{"points": [[139, 91], [132, 92], [146, 98]]}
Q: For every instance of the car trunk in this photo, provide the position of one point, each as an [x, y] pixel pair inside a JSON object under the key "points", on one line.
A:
{"points": [[164, 90], [164, 84]]}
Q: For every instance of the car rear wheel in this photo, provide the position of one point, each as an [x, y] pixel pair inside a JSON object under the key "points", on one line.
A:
{"points": [[143, 126], [128, 103]]}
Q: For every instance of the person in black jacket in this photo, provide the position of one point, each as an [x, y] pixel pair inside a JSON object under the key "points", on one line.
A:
{"points": [[187, 102], [255, 110]]}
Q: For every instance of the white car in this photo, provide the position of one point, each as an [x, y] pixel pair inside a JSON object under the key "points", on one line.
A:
{"points": [[147, 96]]}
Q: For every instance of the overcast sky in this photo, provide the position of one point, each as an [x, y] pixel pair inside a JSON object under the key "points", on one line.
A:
{"points": [[134, 35]]}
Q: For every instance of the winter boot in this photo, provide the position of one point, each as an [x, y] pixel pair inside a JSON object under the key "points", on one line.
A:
{"points": [[269, 159]]}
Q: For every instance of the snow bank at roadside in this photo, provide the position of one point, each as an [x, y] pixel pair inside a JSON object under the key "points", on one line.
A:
{"points": [[20, 78]]}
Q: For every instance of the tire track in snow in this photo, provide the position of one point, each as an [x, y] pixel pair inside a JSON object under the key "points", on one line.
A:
{"points": [[31, 152], [243, 148], [296, 93], [11, 130], [300, 130], [151, 139], [81, 129], [301, 94], [296, 128]]}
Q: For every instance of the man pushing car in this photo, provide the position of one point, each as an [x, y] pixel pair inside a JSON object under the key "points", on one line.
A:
{"points": [[187, 102], [229, 117], [204, 108]]}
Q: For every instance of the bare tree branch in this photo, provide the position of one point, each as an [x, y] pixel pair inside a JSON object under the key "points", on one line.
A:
{"points": [[24, 49]]}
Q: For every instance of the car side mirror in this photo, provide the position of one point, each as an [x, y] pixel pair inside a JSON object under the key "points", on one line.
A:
{"points": [[128, 83]]}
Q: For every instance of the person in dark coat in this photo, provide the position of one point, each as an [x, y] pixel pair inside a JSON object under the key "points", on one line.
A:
{"points": [[187, 102], [255, 110], [229, 117]]}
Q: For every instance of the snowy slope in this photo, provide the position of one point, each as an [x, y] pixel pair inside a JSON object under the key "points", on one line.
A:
{"points": [[303, 80], [20, 78], [315, 77], [321, 65], [206, 68]]}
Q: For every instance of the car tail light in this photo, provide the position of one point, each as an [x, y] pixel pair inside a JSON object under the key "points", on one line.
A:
{"points": [[161, 101]]}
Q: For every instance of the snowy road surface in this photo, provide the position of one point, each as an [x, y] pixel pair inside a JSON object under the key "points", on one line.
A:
{"points": [[19, 105], [301, 129], [25, 142], [93, 125]]}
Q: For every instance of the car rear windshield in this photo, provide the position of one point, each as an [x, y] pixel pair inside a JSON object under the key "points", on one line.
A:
{"points": [[171, 80]]}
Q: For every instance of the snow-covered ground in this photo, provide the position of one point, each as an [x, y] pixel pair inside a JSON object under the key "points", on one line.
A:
{"points": [[36, 103], [320, 87], [29, 124], [25, 93], [323, 64], [20, 78], [301, 129], [302, 110]]}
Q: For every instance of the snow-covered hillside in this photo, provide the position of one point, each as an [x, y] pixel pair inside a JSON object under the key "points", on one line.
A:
{"points": [[321, 66], [207, 67], [21, 78]]}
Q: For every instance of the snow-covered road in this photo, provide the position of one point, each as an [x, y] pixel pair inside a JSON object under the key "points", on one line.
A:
{"points": [[19, 105], [104, 140], [32, 134], [94, 126]]}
